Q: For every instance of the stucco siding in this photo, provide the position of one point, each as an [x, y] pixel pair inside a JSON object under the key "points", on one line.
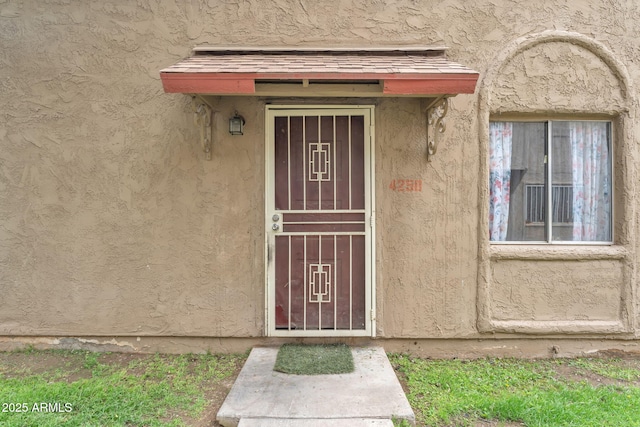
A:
{"points": [[113, 223], [524, 290]]}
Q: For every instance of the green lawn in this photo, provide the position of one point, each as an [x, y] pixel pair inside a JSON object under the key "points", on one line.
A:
{"points": [[559, 392], [74, 388], [77, 388]]}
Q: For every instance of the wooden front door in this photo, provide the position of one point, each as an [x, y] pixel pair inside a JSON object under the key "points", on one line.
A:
{"points": [[319, 221]]}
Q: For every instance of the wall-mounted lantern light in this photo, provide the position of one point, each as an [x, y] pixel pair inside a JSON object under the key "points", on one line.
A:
{"points": [[236, 124]]}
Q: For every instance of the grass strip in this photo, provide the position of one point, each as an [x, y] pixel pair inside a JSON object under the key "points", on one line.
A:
{"points": [[154, 390], [456, 392], [321, 359]]}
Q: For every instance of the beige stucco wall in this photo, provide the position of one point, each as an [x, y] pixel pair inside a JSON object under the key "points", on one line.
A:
{"points": [[541, 290], [568, 78], [427, 241], [112, 223]]}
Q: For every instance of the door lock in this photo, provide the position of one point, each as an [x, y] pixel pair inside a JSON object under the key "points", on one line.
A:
{"points": [[275, 217]]}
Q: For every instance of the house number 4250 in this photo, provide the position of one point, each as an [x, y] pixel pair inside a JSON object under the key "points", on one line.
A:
{"points": [[406, 185]]}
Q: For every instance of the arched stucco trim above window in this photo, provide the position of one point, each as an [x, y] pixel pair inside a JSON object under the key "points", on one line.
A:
{"points": [[530, 41], [624, 252]]}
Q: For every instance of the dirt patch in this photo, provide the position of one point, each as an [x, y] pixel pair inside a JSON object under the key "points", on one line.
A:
{"points": [[463, 420], [494, 423], [67, 366], [215, 396], [576, 375], [70, 366], [619, 354], [575, 370]]}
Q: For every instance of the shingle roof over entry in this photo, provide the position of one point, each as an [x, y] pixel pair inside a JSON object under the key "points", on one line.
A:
{"points": [[402, 71]]}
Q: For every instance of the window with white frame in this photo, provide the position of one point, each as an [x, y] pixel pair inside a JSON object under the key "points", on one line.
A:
{"points": [[550, 181]]}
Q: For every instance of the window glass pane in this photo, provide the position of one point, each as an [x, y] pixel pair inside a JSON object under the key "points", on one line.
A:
{"points": [[581, 176], [517, 181]]}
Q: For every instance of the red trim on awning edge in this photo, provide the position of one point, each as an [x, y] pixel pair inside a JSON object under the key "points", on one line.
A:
{"points": [[436, 86], [244, 84], [181, 83]]}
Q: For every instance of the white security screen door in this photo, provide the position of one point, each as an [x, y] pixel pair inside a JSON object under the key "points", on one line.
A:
{"points": [[319, 221]]}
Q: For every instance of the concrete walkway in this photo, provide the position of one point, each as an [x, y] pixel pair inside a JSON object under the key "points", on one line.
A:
{"points": [[370, 396]]}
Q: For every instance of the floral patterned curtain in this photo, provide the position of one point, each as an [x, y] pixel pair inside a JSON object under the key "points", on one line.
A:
{"points": [[500, 143], [591, 181]]}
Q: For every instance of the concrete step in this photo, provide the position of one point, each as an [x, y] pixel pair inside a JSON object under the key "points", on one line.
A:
{"points": [[371, 394], [315, 422]]}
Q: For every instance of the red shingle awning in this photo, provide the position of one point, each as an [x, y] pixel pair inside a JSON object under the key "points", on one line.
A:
{"points": [[420, 72]]}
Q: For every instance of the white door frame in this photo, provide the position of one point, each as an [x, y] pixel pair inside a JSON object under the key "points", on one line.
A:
{"points": [[269, 254]]}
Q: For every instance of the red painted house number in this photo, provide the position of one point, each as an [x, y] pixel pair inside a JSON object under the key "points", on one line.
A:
{"points": [[406, 185]]}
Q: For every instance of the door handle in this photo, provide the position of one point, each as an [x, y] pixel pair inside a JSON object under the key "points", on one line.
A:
{"points": [[275, 227]]}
